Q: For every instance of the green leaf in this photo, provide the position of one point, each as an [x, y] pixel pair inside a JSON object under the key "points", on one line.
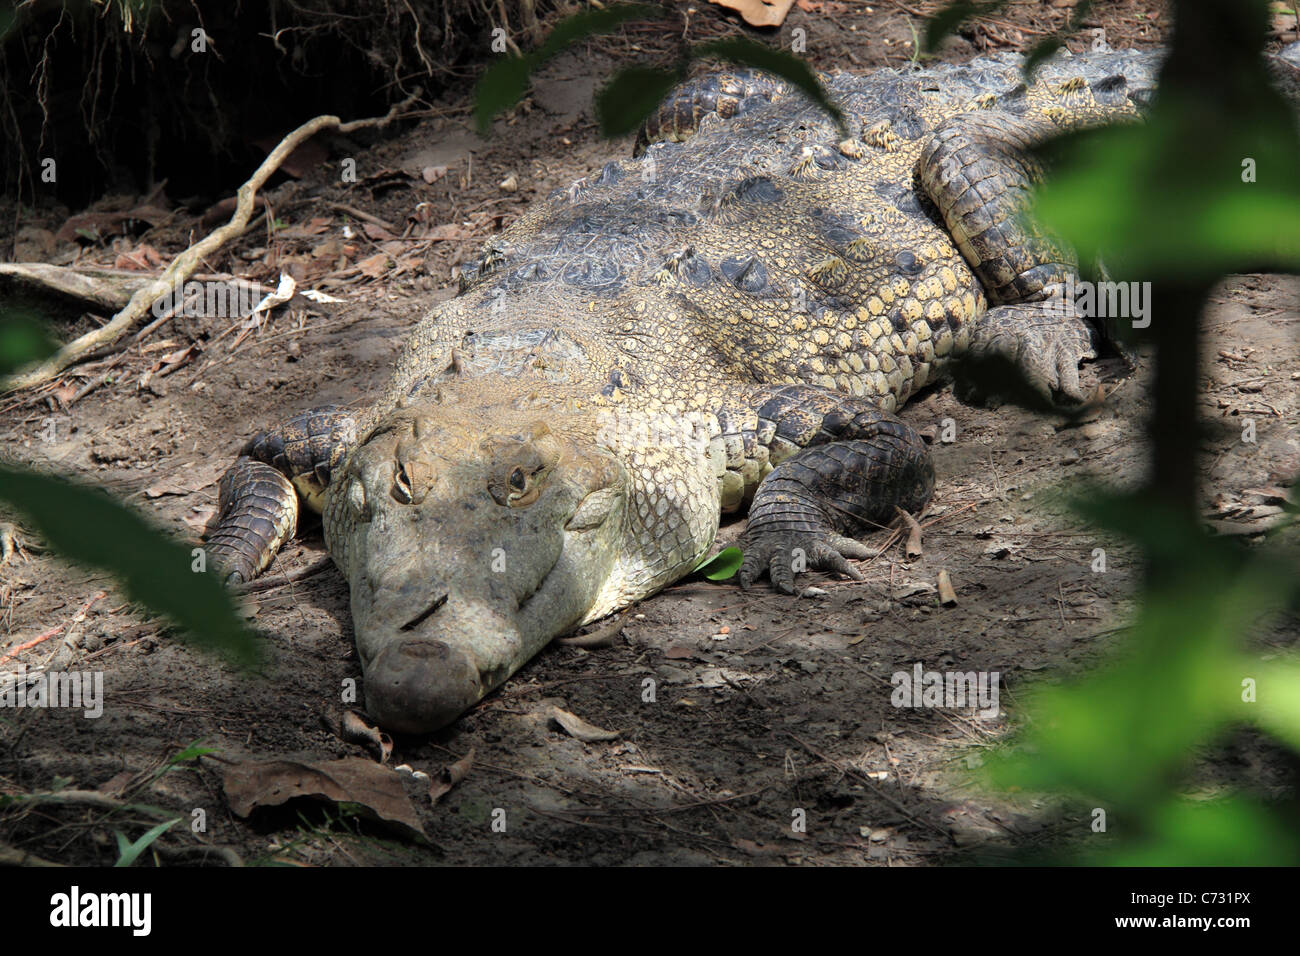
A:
{"points": [[1045, 47], [1171, 198], [1277, 702], [777, 62], [624, 103], [192, 752], [501, 86], [945, 23], [86, 526], [128, 853], [23, 340], [722, 565], [1226, 832]]}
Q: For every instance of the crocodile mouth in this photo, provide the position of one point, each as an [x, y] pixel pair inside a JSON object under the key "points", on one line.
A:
{"points": [[424, 615], [522, 605]]}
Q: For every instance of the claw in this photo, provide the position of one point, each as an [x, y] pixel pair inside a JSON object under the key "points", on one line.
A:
{"points": [[1046, 349], [775, 552]]}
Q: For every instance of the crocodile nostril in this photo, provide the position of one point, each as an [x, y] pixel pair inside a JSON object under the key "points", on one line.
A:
{"points": [[424, 615]]}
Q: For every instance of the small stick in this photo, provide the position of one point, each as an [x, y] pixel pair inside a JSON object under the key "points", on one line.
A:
{"points": [[184, 264], [601, 637], [297, 574], [356, 213], [52, 632]]}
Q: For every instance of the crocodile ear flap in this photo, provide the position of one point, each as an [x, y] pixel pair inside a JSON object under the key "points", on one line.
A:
{"points": [[594, 509]]}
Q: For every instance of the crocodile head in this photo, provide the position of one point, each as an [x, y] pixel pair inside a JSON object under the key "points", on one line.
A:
{"points": [[469, 540]]}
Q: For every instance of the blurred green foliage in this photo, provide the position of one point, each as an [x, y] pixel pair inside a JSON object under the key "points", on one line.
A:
{"points": [[633, 93], [1207, 185]]}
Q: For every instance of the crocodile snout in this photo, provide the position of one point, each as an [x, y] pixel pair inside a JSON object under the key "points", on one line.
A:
{"points": [[417, 685]]}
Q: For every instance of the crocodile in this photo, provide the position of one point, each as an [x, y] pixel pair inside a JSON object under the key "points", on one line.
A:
{"points": [[726, 322]]}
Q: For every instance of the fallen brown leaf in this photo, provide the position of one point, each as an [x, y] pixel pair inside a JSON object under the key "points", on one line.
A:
{"points": [[446, 233], [449, 776], [377, 790], [759, 13], [374, 266], [913, 547], [578, 728], [947, 596]]}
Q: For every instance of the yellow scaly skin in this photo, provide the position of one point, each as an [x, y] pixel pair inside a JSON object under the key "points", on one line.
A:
{"points": [[720, 324]]}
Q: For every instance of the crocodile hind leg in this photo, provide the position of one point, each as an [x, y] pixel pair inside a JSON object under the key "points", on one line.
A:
{"points": [[259, 494], [978, 170], [843, 467]]}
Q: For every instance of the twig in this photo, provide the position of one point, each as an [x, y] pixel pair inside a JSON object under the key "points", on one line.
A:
{"points": [[10, 856], [289, 577], [356, 213], [88, 798], [184, 264], [52, 632], [602, 636]]}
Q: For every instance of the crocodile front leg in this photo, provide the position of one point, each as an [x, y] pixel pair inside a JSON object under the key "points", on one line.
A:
{"points": [[979, 170], [259, 494], [855, 465]]}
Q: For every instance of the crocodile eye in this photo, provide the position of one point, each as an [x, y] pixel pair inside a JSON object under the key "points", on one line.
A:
{"points": [[401, 485], [522, 486]]}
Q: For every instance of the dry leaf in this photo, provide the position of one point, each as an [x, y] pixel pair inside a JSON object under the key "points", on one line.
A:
{"points": [[282, 294], [450, 776], [116, 785], [329, 249], [759, 13], [576, 727], [377, 790], [142, 259], [446, 232], [913, 548], [947, 596], [374, 266]]}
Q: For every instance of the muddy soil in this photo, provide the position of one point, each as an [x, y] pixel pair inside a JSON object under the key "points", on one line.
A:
{"points": [[763, 707]]}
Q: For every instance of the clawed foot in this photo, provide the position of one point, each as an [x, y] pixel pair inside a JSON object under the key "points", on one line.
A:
{"points": [[783, 554], [1046, 350]]}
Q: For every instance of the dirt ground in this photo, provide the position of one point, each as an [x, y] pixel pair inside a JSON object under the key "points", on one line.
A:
{"points": [[765, 705]]}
